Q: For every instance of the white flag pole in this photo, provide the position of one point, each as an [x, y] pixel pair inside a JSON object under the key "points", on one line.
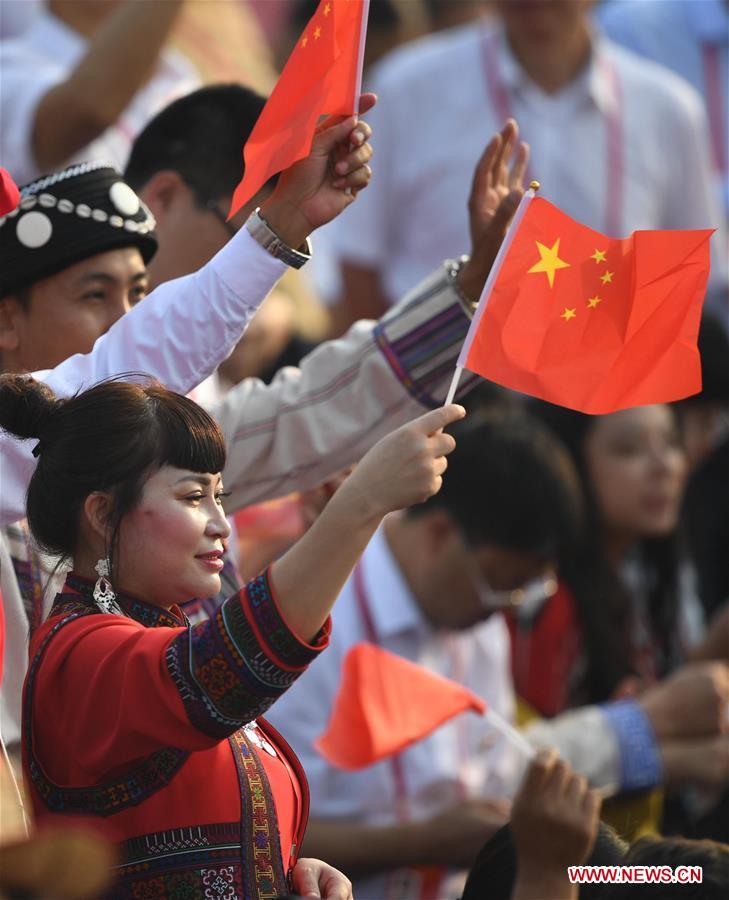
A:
{"points": [[512, 735], [529, 195], [360, 56]]}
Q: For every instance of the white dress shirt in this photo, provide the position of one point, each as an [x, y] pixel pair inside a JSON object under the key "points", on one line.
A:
{"points": [[42, 57], [463, 758], [437, 110], [691, 37]]}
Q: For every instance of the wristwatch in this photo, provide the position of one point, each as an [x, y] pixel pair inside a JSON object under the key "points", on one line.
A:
{"points": [[453, 267], [263, 234]]}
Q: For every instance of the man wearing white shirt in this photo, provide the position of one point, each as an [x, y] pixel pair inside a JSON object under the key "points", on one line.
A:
{"points": [[83, 80], [616, 142], [429, 587]]}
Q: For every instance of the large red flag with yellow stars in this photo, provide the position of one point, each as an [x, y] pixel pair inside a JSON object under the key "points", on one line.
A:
{"points": [[322, 77], [590, 322]]}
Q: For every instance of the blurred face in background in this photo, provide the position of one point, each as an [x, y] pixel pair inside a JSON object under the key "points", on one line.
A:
{"points": [[459, 584], [637, 469], [191, 226], [535, 22]]}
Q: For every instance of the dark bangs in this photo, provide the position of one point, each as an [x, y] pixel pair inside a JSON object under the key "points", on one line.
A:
{"points": [[188, 438]]}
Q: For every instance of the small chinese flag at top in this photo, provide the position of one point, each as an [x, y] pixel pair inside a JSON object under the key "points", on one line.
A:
{"points": [[9, 193], [589, 322], [323, 76], [384, 704]]}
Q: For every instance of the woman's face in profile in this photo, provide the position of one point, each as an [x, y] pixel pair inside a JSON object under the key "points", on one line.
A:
{"points": [[637, 468], [171, 543]]}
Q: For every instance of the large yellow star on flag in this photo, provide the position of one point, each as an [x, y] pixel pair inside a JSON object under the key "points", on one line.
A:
{"points": [[549, 261]]}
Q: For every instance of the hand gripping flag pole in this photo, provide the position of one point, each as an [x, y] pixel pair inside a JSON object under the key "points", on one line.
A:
{"points": [[490, 281]]}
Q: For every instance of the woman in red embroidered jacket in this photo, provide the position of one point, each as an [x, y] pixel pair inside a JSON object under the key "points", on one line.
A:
{"points": [[135, 722]]}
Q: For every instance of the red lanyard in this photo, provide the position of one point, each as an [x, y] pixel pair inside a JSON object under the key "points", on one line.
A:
{"points": [[501, 103], [716, 104], [398, 774]]}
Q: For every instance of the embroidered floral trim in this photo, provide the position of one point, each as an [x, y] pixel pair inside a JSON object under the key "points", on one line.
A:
{"points": [[223, 668]]}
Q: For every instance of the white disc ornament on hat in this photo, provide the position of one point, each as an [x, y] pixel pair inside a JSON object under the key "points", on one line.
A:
{"points": [[34, 229], [124, 199]]}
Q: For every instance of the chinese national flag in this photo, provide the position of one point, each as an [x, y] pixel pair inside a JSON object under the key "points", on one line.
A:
{"points": [[322, 77], [590, 322], [384, 704]]}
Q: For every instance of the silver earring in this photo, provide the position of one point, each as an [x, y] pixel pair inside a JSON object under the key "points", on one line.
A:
{"points": [[104, 596]]}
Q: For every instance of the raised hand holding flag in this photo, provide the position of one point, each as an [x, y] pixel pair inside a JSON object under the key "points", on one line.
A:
{"points": [[323, 76]]}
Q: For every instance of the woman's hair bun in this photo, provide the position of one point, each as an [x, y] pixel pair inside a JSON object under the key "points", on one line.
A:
{"points": [[27, 406]]}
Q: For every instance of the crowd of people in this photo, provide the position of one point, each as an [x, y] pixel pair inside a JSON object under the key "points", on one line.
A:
{"points": [[226, 460]]}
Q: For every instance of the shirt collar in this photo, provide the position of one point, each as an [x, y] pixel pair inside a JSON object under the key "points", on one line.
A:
{"points": [[57, 41], [392, 605], [145, 613], [593, 82]]}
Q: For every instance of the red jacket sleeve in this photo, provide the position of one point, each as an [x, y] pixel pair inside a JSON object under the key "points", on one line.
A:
{"points": [[119, 691]]}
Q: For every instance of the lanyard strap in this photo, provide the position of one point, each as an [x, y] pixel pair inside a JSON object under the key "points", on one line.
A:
{"points": [[368, 623], [716, 104], [501, 102]]}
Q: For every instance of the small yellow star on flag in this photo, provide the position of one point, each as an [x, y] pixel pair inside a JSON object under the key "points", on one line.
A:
{"points": [[593, 301], [304, 41], [599, 255], [607, 277], [568, 314], [317, 34], [549, 261], [327, 9]]}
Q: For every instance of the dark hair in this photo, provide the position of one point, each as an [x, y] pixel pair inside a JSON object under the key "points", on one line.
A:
{"points": [[382, 14], [713, 858], [509, 483], [601, 598], [493, 873], [713, 344], [201, 137], [111, 437]]}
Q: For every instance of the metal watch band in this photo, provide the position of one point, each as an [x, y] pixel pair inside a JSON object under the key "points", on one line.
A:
{"points": [[263, 234], [453, 267]]}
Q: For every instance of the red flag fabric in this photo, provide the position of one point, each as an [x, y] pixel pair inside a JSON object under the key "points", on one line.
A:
{"points": [[384, 704], [589, 322], [9, 193], [322, 77]]}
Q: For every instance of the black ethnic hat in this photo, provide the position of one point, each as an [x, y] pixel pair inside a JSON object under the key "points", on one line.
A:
{"points": [[64, 218]]}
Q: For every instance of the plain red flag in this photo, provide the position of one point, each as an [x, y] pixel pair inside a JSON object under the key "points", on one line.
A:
{"points": [[384, 704], [9, 193], [590, 322], [322, 77]]}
